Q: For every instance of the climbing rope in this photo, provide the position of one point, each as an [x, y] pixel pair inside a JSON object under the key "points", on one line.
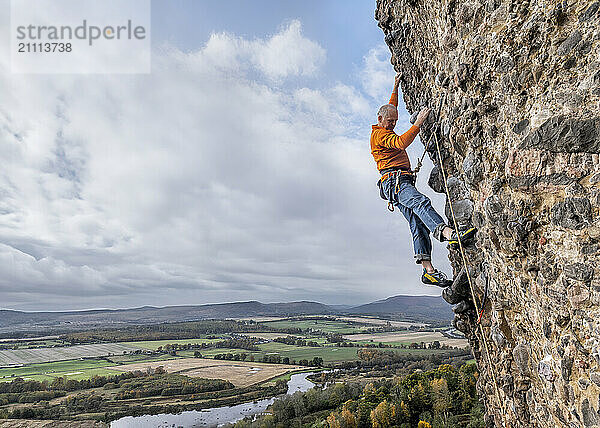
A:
{"points": [[420, 160], [464, 260]]}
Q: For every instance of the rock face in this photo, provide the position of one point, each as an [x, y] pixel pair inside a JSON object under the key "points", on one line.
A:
{"points": [[517, 88]]}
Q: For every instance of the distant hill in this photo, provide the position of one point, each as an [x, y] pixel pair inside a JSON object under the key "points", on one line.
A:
{"points": [[414, 307], [420, 308], [44, 322]]}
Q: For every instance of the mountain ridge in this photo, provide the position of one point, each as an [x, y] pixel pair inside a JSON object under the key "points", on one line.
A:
{"points": [[419, 307]]}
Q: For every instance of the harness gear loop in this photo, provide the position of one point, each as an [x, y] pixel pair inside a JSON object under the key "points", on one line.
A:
{"points": [[394, 186], [464, 260]]}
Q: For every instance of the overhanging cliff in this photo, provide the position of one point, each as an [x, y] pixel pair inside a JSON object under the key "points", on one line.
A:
{"points": [[517, 85]]}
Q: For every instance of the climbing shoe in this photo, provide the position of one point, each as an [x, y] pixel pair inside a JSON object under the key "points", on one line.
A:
{"points": [[465, 236], [435, 278]]}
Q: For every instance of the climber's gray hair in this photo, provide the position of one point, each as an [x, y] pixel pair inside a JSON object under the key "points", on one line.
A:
{"points": [[385, 110]]}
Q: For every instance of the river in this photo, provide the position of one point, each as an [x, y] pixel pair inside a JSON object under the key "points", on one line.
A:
{"points": [[214, 417]]}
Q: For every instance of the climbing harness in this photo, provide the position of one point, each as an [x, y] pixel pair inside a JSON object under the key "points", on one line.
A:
{"points": [[394, 186], [464, 260]]}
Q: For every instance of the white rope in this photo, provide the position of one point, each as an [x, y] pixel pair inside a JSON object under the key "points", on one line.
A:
{"points": [[464, 260]]}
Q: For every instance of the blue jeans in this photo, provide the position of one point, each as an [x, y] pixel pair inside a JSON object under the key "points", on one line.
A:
{"points": [[417, 209]]}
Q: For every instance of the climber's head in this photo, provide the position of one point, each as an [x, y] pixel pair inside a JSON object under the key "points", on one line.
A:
{"points": [[387, 116]]}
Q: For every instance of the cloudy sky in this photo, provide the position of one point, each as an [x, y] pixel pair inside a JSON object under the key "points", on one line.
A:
{"points": [[238, 169]]}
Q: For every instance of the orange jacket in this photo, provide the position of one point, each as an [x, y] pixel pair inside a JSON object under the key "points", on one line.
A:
{"points": [[388, 148]]}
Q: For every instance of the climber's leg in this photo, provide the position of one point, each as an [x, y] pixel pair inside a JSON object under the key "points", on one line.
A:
{"points": [[409, 197], [420, 235], [422, 248]]}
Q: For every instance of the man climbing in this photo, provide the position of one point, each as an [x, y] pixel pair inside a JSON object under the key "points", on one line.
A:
{"points": [[397, 184]]}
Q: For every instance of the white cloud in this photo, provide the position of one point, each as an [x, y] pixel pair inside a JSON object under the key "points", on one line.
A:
{"points": [[200, 182], [285, 54], [378, 74], [289, 53]]}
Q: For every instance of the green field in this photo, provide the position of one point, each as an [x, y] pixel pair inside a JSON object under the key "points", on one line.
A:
{"points": [[141, 358], [328, 353], [376, 342], [154, 344], [77, 369], [340, 327], [66, 361], [48, 371], [63, 353]]}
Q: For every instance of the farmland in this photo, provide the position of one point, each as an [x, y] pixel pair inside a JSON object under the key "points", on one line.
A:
{"points": [[74, 369], [249, 356], [38, 362], [382, 322], [239, 373], [324, 325], [42, 355], [51, 370], [153, 345], [407, 337]]}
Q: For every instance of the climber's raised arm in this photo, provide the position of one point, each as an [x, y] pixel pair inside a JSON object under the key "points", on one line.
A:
{"points": [[394, 98]]}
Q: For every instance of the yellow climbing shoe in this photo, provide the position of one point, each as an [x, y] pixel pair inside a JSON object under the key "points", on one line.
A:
{"points": [[465, 236], [435, 278]]}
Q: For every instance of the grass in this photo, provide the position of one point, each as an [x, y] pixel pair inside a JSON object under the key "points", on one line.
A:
{"points": [[76, 369], [240, 373], [328, 353], [85, 369], [49, 371], [340, 327], [154, 344], [141, 358], [375, 342], [44, 355], [71, 367]]}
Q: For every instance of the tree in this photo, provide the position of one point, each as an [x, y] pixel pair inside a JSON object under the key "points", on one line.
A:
{"points": [[348, 419], [298, 404], [441, 398], [333, 421], [384, 415]]}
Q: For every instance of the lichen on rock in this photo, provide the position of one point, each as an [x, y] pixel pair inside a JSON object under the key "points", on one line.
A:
{"points": [[517, 85]]}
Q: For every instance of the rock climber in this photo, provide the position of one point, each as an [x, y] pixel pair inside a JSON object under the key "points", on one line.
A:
{"points": [[397, 185]]}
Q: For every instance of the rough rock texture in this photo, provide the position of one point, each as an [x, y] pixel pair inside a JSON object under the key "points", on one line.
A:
{"points": [[517, 85]]}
